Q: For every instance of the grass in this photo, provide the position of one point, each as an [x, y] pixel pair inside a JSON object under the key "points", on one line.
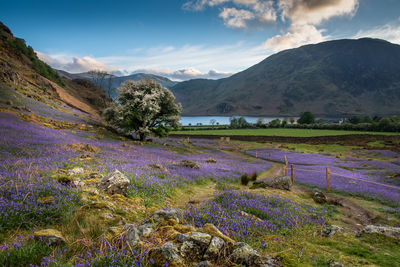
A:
{"points": [[278, 132]]}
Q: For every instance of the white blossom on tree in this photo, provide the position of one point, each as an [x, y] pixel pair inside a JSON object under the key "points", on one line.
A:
{"points": [[144, 107]]}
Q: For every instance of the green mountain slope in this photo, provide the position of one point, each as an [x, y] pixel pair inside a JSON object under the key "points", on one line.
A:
{"points": [[330, 78]]}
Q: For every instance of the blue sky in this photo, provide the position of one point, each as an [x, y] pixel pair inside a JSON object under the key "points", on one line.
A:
{"points": [[184, 39]]}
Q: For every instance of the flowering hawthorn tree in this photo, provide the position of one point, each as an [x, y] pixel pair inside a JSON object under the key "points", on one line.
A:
{"points": [[144, 107]]}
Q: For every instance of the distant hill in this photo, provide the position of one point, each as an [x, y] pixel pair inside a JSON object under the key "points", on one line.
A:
{"points": [[117, 81], [338, 77], [22, 70]]}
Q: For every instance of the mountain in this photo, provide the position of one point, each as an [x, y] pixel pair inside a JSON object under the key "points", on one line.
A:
{"points": [[332, 78], [23, 71], [117, 81]]}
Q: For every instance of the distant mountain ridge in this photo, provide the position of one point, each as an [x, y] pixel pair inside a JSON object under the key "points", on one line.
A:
{"points": [[340, 77], [116, 81]]}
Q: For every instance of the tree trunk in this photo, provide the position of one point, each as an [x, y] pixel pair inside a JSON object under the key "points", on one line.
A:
{"points": [[142, 137]]}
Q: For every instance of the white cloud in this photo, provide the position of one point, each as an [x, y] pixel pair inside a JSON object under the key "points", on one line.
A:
{"points": [[389, 32], [74, 64], [236, 18], [252, 12], [297, 36], [304, 16], [314, 12]]}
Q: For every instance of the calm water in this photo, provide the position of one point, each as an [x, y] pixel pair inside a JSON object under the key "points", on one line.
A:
{"points": [[222, 120]]}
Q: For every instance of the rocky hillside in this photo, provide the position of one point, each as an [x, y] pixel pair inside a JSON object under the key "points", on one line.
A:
{"points": [[23, 71], [331, 78]]}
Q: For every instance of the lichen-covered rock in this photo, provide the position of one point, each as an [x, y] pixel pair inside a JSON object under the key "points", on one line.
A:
{"points": [[385, 230], [115, 183], [335, 264], [175, 214], [215, 249], [319, 197], [330, 230], [191, 251], [244, 254], [281, 182], [76, 171], [213, 231], [184, 228], [146, 229], [50, 237], [132, 233], [181, 237], [201, 239], [268, 262], [188, 163], [167, 253]]}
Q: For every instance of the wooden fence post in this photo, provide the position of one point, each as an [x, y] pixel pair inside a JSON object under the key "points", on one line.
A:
{"points": [[256, 154], [284, 170], [328, 179], [292, 167]]}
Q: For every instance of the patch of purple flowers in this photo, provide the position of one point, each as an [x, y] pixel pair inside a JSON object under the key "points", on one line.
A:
{"points": [[241, 215]]}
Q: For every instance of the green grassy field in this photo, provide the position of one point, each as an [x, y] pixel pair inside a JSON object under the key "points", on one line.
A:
{"points": [[279, 132]]}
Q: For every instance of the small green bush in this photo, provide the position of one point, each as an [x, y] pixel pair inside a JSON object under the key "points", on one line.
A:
{"points": [[245, 179]]}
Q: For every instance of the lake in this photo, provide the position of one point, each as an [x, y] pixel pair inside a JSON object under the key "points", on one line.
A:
{"points": [[222, 120]]}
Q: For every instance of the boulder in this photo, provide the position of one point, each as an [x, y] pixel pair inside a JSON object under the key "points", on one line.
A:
{"points": [[211, 160], [165, 215], [215, 249], [146, 229], [115, 183], [385, 230], [167, 253], [181, 238], [132, 234], [188, 163], [245, 255], [201, 239], [76, 171], [319, 197], [330, 230], [213, 231], [281, 182], [191, 252], [50, 237]]}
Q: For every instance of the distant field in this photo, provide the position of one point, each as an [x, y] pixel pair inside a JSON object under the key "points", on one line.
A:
{"points": [[278, 132]]}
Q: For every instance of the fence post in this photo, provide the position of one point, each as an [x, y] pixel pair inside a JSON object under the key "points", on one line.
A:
{"points": [[284, 170], [328, 179], [292, 167], [256, 154]]}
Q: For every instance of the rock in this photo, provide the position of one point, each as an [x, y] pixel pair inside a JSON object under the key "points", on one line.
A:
{"points": [[188, 163], [211, 160], [50, 237], [108, 216], [319, 197], [181, 237], [146, 229], [204, 264], [201, 239], [191, 251], [175, 214], [167, 253], [268, 262], [71, 181], [76, 171], [215, 249], [244, 254], [132, 234], [159, 167], [385, 230], [115, 183], [330, 230], [335, 264], [281, 182], [213, 231]]}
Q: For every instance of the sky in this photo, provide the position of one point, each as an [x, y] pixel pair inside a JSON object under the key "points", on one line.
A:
{"points": [[186, 39]]}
